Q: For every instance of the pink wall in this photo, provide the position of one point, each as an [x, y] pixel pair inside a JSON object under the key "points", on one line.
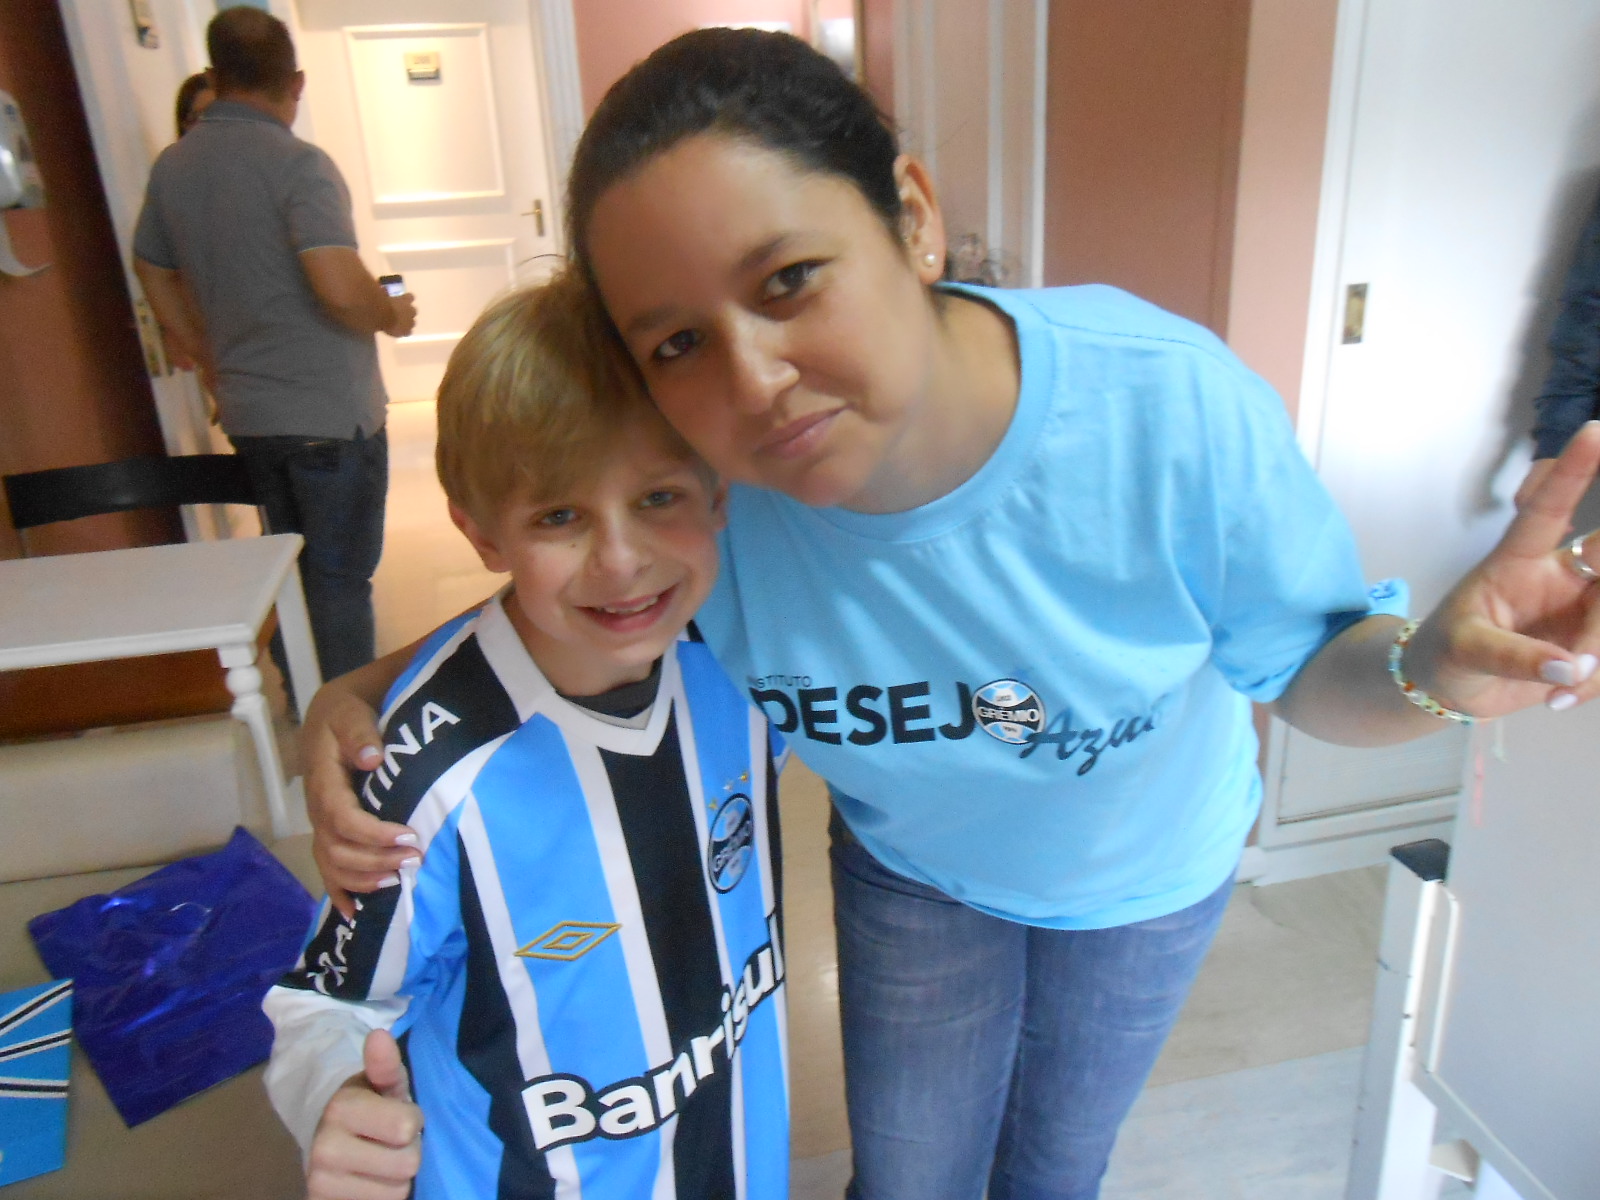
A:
{"points": [[1280, 179], [877, 50], [615, 34], [1141, 140]]}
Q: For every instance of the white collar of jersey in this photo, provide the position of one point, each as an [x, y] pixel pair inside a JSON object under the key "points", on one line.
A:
{"points": [[532, 693]]}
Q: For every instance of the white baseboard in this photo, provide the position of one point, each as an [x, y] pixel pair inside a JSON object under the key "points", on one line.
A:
{"points": [[1262, 865]]}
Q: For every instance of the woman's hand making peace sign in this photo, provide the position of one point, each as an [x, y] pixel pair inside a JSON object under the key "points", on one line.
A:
{"points": [[1521, 628], [1526, 617]]}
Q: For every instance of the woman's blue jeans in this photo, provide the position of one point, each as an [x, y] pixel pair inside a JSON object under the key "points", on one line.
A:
{"points": [[984, 1053]]}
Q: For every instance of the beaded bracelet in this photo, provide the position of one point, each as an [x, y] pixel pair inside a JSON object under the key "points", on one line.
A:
{"points": [[1410, 690]]}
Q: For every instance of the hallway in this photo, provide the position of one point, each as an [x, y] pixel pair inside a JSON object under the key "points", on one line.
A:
{"points": [[428, 573]]}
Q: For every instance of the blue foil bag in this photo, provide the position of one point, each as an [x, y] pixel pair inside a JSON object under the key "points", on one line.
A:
{"points": [[171, 970], [35, 1060]]}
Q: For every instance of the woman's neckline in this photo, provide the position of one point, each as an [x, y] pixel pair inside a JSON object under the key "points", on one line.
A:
{"points": [[1035, 357], [972, 405]]}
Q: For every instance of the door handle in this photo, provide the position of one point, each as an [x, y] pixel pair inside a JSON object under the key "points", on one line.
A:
{"points": [[537, 213]]}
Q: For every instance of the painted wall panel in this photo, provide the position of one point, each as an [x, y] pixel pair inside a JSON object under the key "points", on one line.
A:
{"points": [[1142, 134], [1280, 180], [615, 34], [427, 139]]}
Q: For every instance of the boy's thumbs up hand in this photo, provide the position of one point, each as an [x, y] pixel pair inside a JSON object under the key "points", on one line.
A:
{"points": [[385, 1072], [369, 1143]]}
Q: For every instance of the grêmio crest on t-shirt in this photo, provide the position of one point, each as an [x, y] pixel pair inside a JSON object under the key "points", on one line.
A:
{"points": [[1011, 711]]}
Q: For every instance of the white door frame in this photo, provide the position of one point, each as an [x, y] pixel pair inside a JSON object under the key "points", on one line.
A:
{"points": [[555, 48], [1324, 321], [990, 173], [1294, 849]]}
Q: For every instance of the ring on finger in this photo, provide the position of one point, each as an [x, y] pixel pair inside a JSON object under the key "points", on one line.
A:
{"points": [[1575, 558]]}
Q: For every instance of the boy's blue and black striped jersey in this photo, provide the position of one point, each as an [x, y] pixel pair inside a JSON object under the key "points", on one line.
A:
{"points": [[586, 972]]}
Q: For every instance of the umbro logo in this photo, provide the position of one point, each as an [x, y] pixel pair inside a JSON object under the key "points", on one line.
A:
{"points": [[568, 941]]}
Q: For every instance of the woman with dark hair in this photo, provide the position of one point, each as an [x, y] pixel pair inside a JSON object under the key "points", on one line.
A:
{"points": [[195, 95], [1007, 568]]}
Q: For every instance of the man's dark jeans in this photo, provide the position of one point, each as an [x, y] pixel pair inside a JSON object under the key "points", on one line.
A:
{"points": [[331, 491]]}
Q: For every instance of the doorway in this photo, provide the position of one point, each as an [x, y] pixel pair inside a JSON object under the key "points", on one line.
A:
{"points": [[432, 110]]}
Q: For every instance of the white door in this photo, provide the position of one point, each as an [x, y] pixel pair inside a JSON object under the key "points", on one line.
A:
{"points": [[128, 86], [431, 108], [1463, 149]]}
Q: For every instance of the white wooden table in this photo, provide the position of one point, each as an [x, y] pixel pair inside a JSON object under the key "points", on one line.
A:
{"points": [[71, 608]]}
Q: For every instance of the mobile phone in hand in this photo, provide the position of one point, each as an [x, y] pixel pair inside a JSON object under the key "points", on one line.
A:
{"points": [[395, 285]]}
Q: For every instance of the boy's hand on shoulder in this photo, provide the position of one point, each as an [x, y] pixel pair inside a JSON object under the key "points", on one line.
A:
{"points": [[368, 1145]]}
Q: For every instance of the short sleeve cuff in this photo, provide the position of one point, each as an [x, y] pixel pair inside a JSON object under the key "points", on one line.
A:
{"points": [[1387, 597]]}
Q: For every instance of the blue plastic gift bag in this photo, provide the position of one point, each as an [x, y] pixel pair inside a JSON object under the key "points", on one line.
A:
{"points": [[171, 969], [35, 1058]]}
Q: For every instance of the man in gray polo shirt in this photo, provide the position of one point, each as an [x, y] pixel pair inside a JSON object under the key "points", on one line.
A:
{"points": [[247, 253]]}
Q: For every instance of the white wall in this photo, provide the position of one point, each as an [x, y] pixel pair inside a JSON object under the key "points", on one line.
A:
{"points": [[1463, 148], [1473, 147]]}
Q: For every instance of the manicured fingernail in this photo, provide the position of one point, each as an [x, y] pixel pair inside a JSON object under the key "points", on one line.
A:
{"points": [[407, 839], [1562, 701], [1586, 666], [368, 756], [409, 864], [1558, 672], [389, 881]]}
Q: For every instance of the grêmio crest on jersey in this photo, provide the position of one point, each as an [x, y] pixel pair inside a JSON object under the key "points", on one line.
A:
{"points": [[1009, 710]]}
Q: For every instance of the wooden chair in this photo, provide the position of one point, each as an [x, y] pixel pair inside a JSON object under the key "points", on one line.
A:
{"points": [[48, 701]]}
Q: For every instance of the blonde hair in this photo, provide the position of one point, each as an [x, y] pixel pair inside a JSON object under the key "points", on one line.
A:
{"points": [[534, 395]]}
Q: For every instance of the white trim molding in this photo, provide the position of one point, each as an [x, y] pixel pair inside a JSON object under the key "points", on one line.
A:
{"points": [[555, 48], [1324, 323], [394, 142], [970, 86]]}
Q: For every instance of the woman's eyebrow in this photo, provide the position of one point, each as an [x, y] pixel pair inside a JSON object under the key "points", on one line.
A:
{"points": [[651, 318], [759, 254], [663, 314]]}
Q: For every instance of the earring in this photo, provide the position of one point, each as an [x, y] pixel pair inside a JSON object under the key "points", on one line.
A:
{"points": [[930, 259]]}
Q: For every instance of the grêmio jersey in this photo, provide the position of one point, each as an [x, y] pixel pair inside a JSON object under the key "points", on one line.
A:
{"points": [[585, 974]]}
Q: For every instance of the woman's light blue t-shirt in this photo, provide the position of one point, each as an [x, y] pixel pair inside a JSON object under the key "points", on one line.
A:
{"points": [[1032, 692]]}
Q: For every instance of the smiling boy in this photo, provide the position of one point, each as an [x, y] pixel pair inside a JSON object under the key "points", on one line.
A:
{"points": [[584, 974]]}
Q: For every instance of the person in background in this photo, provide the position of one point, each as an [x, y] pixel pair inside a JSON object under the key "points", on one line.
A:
{"points": [[194, 97], [1571, 393], [246, 250]]}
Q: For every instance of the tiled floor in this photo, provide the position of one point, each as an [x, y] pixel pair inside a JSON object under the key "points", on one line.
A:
{"points": [[1277, 1132], [428, 573]]}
